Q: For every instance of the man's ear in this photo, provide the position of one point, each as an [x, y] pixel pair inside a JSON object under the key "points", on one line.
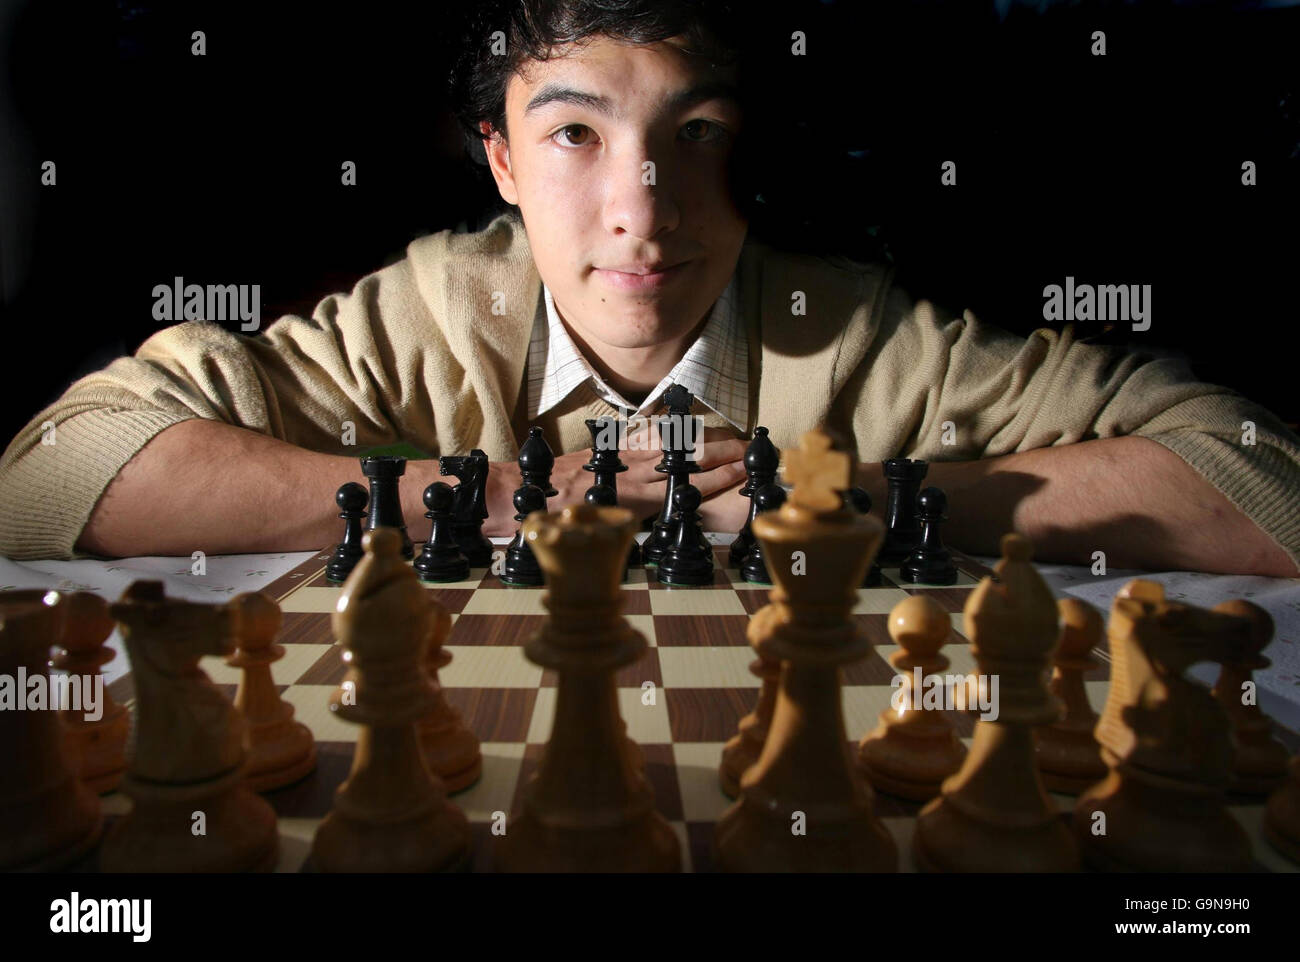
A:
{"points": [[497, 150]]}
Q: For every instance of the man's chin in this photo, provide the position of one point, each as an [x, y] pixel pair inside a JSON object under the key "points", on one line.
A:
{"points": [[632, 329]]}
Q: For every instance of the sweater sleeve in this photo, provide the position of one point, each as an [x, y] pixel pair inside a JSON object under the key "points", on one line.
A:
{"points": [[959, 389], [299, 382]]}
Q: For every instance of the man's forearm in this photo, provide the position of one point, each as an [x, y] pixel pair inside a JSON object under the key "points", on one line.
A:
{"points": [[1129, 497], [208, 486]]}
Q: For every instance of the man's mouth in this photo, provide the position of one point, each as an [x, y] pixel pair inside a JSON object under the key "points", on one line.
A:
{"points": [[640, 277]]}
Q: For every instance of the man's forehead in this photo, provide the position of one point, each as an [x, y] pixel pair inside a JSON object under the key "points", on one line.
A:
{"points": [[595, 73]]}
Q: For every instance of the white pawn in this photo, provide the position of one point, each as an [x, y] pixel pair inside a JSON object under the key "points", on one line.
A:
{"points": [[913, 750]]}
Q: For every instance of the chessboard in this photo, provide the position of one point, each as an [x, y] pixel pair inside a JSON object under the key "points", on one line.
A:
{"points": [[681, 701]]}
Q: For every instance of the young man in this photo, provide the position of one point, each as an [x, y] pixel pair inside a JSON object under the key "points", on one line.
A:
{"points": [[613, 129]]}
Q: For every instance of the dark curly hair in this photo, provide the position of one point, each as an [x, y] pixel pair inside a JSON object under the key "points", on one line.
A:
{"points": [[533, 30]]}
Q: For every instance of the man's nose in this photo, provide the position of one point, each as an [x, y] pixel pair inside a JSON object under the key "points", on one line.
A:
{"points": [[640, 198]]}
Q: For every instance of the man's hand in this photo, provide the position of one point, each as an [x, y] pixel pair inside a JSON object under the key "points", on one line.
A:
{"points": [[640, 487], [726, 511]]}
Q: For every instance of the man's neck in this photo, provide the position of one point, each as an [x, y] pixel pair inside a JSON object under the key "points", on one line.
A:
{"points": [[634, 372]]}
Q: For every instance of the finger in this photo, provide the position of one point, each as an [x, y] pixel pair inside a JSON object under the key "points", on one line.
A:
{"points": [[719, 479], [725, 511], [711, 454], [707, 482], [719, 434], [718, 445], [641, 467]]}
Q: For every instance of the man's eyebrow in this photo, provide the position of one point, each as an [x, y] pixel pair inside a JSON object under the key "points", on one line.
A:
{"points": [[701, 92], [552, 93]]}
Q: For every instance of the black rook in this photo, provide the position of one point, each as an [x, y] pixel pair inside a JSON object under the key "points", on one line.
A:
{"points": [[385, 472]]}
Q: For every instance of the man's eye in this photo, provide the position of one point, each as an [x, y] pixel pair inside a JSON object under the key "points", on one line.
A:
{"points": [[574, 135], [700, 131]]}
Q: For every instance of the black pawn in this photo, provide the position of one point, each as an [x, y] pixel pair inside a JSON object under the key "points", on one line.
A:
{"points": [[902, 527], [521, 568], [762, 460], [662, 535], [860, 501], [385, 474], [604, 496], [537, 461], [931, 563], [689, 562], [441, 558], [352, 500], [754, 569]]}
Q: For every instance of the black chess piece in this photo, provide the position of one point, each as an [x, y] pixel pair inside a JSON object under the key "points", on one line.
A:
{"points": [[537, 461], [931, 563], [902, 527], [352, 500], [605, 463], [604, 496], [762, 461], [385, 472], [441, 558], [606, 466], [754, 569], [469, 506], [521, 567], [689, 562], [859, 499], [677, 463]]}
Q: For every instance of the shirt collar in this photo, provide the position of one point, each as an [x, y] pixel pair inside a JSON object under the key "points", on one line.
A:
{"points": [[715, 368]]}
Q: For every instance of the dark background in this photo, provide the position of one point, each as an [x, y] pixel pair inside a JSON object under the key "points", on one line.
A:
{"points": [[226, 168]]}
